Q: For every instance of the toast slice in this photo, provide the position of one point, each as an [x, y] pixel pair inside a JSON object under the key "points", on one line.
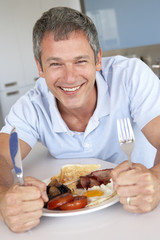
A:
{"points": [[72, 172]]}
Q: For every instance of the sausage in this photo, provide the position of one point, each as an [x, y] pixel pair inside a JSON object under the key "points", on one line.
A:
{"points": [[77, 203], [59, 201]]}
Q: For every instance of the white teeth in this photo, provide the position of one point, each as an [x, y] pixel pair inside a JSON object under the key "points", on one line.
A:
{"points": [[70, 89]]}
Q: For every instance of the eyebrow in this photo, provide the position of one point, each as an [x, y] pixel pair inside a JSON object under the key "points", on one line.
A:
{"points": [[59, 59]]}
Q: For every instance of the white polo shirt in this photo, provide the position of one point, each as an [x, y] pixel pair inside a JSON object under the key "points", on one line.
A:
{"points": [[126, 88]]}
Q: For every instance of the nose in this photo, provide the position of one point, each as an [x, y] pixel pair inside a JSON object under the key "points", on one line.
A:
{"points": [[70, 74]]}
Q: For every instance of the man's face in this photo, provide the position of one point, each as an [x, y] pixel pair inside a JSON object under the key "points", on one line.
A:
{"points": [[69, 69]]}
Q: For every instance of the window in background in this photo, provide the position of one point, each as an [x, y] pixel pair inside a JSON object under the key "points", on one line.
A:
{"points": [[125, 23]]}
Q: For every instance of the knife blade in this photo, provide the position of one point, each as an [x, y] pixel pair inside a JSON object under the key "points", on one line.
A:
{"points": [[16, 155]]}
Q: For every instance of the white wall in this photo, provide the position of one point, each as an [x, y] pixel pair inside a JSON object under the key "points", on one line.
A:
{"points": [[57, 3], [17, 66]]}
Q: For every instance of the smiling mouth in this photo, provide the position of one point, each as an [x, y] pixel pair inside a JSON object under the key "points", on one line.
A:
{"points": [[70, 89]]}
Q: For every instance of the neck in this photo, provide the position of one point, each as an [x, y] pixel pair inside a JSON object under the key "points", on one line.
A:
{"points": [[77, 119]]}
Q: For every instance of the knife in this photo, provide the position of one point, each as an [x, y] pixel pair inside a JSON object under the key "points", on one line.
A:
{"points": [[16, 155]]}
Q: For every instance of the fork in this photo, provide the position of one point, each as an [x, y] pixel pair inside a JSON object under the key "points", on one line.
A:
{"points": [[126, 137]]}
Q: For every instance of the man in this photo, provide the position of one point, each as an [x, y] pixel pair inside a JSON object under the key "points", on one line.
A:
{"points": [[73, 111]]}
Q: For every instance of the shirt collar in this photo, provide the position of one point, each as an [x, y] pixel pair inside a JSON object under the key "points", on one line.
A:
{"points": [[103, 106], [57, 122]]}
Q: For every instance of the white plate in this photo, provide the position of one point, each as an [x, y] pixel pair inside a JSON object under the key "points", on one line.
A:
{"points": [[60, 213]]}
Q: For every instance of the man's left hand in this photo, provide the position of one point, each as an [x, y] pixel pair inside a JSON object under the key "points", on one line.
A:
{"points": [[138, 188]]}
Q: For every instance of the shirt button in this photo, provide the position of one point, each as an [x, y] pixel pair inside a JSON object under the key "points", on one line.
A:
{"points": [[86, 145]]}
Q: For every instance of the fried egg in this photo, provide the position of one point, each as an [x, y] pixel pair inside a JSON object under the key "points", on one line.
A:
{"points": [[97, 194]]}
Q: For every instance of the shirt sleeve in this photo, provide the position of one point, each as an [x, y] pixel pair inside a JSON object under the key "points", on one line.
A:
{"points": [[23, 116], [143, 88]]}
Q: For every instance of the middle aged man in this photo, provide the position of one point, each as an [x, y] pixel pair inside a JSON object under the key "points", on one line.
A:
{"points": [[73, 111]]}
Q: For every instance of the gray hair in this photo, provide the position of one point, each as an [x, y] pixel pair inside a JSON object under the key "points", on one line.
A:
{"points": [[62, 21]]}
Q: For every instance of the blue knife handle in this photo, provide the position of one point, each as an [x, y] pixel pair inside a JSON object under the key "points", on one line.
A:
{"points": [[13, 144]]}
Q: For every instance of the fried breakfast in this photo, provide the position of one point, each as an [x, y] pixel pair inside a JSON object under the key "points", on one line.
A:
{"points": [[79, 186]]}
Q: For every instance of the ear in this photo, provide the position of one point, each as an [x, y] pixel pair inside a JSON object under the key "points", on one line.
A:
{"points": [[99, 60], [40, 71]]}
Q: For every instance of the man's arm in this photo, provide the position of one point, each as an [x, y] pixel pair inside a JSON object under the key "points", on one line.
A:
{"points": [[140, 184], [152, 133], [19, 202], [6, 177]]}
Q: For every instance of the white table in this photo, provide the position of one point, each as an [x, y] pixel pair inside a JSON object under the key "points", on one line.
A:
{"points": [[113, 223]]}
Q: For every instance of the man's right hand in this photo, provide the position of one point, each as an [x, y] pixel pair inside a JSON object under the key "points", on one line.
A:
{"points": [[21, 206]]}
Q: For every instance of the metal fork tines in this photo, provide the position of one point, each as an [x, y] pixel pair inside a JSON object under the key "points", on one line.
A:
{"points": [[126, 137]]}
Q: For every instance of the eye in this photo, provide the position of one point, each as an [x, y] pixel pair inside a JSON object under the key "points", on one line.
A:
{"points": [[81, 62], [54, 64]]}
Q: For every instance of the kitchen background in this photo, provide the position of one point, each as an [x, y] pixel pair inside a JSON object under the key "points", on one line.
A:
{"points": [[125, 27]]}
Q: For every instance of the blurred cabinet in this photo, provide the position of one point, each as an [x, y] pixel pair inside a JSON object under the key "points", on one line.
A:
{"points": [[18, 70], [17, 67], [10, 97]]}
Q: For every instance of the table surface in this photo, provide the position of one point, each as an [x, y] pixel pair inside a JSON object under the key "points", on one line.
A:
{"points": [[110, 223]]}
